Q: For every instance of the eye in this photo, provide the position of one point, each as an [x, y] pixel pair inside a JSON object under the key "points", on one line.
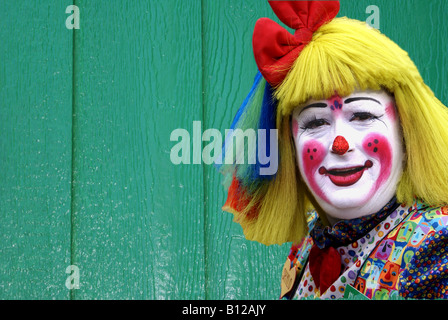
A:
{"points": [[315, 123], [363, 116]]}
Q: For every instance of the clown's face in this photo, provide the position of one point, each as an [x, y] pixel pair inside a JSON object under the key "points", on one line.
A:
{"points": [[349, 152]]}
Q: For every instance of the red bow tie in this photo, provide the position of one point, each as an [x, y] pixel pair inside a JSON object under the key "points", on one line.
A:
{"points": [[325, 266]]}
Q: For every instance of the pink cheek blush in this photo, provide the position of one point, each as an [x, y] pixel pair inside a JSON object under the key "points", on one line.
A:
{"points": [[295, 128], [313, 153], [377, 146], [391, 112]]}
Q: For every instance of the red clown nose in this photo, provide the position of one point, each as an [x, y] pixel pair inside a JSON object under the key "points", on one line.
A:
{"points": [[340, 145]]}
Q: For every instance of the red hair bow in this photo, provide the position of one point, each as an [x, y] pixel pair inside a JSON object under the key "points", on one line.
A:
{"points": [[276, 49]]}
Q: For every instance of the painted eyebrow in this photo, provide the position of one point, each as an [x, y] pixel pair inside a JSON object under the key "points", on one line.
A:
{"points": [[349, 100], [315, 105]]}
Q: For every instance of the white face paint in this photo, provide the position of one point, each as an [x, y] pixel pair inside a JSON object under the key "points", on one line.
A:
{"points": [[349, 152]]}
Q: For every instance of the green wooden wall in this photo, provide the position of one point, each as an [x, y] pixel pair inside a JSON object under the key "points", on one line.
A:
{"points": [[85, 123]]}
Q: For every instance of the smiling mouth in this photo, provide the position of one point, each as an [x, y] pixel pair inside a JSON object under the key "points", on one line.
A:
{"points": [[345, 177]]}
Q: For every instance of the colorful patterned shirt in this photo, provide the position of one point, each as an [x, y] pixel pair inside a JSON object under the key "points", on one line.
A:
{"points": [[404, 255]]}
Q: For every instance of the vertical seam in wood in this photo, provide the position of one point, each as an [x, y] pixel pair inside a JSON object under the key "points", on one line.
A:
{"points": [[204, 180], [72, 204]]}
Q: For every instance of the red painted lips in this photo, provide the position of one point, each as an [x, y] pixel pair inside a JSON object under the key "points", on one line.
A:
{"points": [[345, 177]]}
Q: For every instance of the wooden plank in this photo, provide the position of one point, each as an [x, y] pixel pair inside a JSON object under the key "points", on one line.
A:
{"points": [[138, 219], [35, 144]]}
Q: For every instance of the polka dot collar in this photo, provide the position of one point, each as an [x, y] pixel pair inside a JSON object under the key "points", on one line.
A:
{"points": [[345, 232]]}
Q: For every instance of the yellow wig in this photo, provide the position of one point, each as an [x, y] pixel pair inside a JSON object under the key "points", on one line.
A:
{"points": [[347, 55]]}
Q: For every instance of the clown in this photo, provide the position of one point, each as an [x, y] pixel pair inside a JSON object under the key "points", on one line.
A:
{"points": [[362, 180]]}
